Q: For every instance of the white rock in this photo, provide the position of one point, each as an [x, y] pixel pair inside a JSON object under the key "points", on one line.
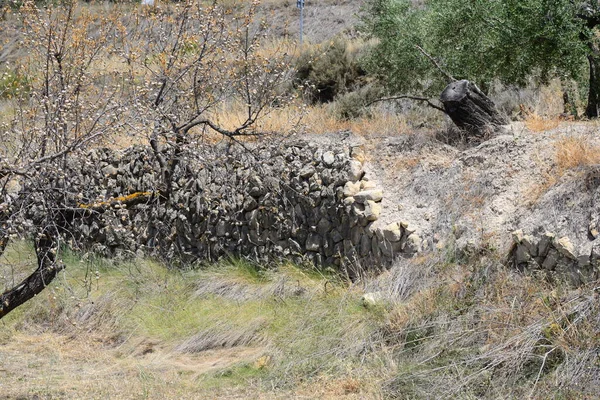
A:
{"points": [[366, 185], [408, 228], [328, 158], [372, 299], [392, 232], [351, 188], [565, 247], [355, 170], [373, 195], [372, 210]]}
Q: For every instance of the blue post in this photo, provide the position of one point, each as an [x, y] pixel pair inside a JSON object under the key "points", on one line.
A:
{"points": [[300, 5]]}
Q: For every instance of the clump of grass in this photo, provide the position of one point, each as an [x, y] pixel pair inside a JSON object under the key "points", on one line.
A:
{"points": [[537, 123], [575, 152]]}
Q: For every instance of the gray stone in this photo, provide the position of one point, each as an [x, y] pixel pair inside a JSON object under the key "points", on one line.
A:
{"points": [[348, 201], [323, 227], [221, 228], [545, 243], [355, 234], [313, 242], [413, 244], [392, 232], [373, 195], [307, 171], [365, 245], [109, 170], [372, 210], [551, 260], [351, 188], [522, 254], [565, 247], [355, 170], [328, 158], [407, 227]]}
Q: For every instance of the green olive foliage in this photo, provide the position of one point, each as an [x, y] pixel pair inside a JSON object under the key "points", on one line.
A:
{"points": [[479, 40]]}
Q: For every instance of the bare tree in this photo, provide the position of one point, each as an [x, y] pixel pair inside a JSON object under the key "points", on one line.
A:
{"points": [[189, 62], [67, 103], [167, 74]]}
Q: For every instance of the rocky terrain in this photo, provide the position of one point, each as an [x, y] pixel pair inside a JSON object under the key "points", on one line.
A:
{"points": [[351, 201]]}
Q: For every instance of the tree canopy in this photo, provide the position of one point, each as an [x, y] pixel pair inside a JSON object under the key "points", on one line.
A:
{"points": [[484, 40]]}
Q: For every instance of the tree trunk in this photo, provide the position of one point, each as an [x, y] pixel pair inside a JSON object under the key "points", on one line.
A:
{"points": [[593, 105], [46, 248], [469, 108]]}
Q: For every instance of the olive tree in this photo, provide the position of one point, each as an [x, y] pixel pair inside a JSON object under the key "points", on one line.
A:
{"points": [[484, 40]]}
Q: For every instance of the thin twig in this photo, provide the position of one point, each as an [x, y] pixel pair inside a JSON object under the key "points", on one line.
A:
{"points": [[449, 77], [416, 98]]}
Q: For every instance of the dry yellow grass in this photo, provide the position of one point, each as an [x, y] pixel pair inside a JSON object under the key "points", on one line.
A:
{"points": [[570, 153], [536, 123], [299, 118], [574, 152]]}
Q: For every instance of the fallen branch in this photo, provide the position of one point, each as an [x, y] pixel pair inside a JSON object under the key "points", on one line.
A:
{"points": [[415, 98]]}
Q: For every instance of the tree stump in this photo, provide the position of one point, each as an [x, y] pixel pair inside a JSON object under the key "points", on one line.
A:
{"points": [[469, 108]]}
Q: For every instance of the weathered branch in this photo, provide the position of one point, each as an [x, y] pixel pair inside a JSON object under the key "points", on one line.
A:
{"points": [[415, 98], [46, 248], [449, 77]]}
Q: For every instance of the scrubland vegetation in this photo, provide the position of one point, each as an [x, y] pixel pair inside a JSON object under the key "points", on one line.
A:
{"points": [[440, 327], [447, 324]]}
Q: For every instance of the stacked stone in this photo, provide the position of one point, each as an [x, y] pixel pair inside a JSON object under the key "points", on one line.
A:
{"points": [[297, 200], [558, 256]]}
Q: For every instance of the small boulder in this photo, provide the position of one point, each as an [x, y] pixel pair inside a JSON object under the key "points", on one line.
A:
{"points": [[392, 232], [372, 210], [565, 247], [372, 299], [355, 170], [351, 188], [328, 158], [373, 194]]}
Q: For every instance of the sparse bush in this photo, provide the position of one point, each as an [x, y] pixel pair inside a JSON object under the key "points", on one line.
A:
{"points": [[354, 104], [329, 70]]}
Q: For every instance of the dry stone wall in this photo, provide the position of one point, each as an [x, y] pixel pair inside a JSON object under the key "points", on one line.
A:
{"points": [[295, 200]]}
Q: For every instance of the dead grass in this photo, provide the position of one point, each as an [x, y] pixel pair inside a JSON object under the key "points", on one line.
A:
{"points": [[536, 123], [473, 329], [574, 152]]}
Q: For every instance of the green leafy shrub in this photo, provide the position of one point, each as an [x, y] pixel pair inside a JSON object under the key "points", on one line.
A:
{"points": [[329, 70]]}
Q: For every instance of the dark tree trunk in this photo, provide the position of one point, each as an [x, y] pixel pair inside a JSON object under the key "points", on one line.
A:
{"points": [[46, 248], [469, 108], [593, 105]]}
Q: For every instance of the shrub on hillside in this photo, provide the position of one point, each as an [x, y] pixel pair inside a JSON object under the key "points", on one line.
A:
{"points": [[355, 104], [328, 71]]}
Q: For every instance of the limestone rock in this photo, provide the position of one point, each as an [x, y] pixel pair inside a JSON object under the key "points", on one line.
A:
{"points": [[565, 247], [372, 210], [367, 185], [355, 170], [328, 158], [407, 227], [414, 244], [372, 299], [373, 195], [351, 188], [392, 232]]}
